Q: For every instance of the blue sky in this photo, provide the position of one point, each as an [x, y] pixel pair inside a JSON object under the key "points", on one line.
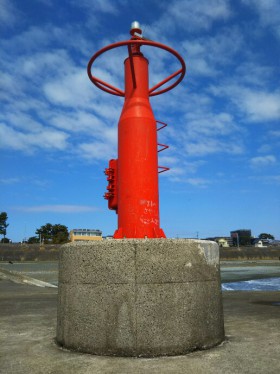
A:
{"points": [[58, 131]]}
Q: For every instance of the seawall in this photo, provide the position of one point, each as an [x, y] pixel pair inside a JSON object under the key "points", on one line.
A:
{"points": [[250, 253], [29, 252], [50, 252]]}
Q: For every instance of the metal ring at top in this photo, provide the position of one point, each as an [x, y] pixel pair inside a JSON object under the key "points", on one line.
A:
{"points": [[152, 91]]}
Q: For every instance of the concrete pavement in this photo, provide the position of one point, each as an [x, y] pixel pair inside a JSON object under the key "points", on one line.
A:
{"points": [[28, 329]]}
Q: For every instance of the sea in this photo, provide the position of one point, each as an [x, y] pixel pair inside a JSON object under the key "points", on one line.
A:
{"points": [[235, 275], [269, 284]]}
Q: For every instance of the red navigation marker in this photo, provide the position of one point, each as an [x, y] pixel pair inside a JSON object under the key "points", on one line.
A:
{"points": [[132, 189]]}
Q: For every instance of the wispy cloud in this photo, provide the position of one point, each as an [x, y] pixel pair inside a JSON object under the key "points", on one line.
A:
{"points": [[260, 106], [275, 133], [208, 146], [53, 106], [200, 182], [210, 124], [8, 13], [256, 104], [72, 89], [210, 53], [193, 15], [29, 141], [56, 209], [9, 180], [103, 6], [262, 161], [267, 179], [268, 12]]}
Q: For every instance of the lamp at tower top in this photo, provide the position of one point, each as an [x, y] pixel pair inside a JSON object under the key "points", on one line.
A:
{"points": [[135, 29]]}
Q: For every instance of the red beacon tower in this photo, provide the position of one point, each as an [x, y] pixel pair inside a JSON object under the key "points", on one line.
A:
{"points": [[132, 189]]}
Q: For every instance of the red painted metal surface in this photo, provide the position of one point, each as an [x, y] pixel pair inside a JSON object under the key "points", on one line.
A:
{"points": [[132, 189], [112, 189]]}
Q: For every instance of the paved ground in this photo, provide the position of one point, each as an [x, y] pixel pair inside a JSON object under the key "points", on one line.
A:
{"points": [[28, 323], [232, 271]]}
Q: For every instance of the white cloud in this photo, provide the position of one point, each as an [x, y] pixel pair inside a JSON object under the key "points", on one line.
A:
{"points": [[272, 178], [8, 13], [264, 148], [258, 105], [206, 133], [74, 106], [57, 209], [196, 15], [45, 64], [268, 11], [209, 124], [34, 38], [262, 161], [269, 179], [180, 168], [72, 89], [29, 141], [21, 121], [77, 122], [190, 16], [175, 174], [275, 133], [8, 86], [97, 150], [87, 126], [206, 55], [200, 182], [9, 180], [203, 147], [251, 73], [170, 160], [103, 6]]}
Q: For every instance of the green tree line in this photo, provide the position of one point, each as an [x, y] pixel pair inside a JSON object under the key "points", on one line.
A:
{"points": [[47, 234], [50, 234]]}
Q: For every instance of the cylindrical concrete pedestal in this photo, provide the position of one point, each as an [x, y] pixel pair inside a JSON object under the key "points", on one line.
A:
{"points": [[148, 297]]}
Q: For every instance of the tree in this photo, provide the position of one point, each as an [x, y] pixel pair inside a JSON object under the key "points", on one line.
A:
{"points": [[45, 233], [60, 234], [266, 236], [5, 240], [33, 240], [3, 223], [56, 234]]}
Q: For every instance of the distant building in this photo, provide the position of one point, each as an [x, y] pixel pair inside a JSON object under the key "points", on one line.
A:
{"points": [[85, 234], [241, 237], [223, 241], [259, 244]]}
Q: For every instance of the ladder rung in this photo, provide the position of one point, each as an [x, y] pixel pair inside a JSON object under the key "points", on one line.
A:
{"points": [[162, 125], [163, 169], [163, 147]]}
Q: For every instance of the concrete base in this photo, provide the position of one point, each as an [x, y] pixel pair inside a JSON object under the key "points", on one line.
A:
{"points": [[148, 297]]}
